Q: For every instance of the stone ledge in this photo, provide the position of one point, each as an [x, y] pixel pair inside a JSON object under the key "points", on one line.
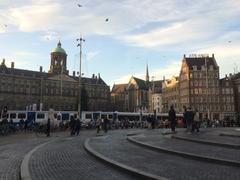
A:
{"points": [[128, 169], [233, 146], [184, 154]]}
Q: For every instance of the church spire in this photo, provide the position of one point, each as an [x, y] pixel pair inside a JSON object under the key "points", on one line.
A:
{"points": [[147, 74]]}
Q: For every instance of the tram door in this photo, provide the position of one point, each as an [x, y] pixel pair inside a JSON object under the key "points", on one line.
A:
{"points": [[96, 115], [31, 117]]}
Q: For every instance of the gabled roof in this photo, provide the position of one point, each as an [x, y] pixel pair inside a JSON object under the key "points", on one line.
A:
{"points": [[62, 77], [200, 61], [119, 88], [141, 83], [86, 80]]}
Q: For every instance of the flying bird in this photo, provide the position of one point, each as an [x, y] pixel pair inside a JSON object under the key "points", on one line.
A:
{"points": [[79, 5], [106, 19], [229, 41]]}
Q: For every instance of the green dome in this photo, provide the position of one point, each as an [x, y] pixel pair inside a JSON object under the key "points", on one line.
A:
{"points": [[59, 49]]}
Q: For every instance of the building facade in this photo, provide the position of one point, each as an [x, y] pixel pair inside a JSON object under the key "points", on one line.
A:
{"points": [[170, 94], [34, 90], [201, 88], [136, 95]]}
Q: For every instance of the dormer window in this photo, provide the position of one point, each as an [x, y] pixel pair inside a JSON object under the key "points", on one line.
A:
{"points": [[211, 67], [195, 68]]}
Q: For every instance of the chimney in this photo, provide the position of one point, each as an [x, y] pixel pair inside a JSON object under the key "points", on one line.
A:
{"points": [[93, 76], [213, 55], [184, 56], [98, 75], [74, 74], [12, 65], [40, 69], [226, 76]]}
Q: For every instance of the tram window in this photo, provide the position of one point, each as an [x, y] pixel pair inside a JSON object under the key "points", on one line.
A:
{"points": [[65, 116], [88, 116], [104, 116], [40, 116], [13, 115], [21, 116]]}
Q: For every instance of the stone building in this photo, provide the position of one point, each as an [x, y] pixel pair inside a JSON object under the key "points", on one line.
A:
{"points": [[24, 89], [136, 95], [118, 97], [170, 94], [201, 88], [227, 106], [155, 96]]}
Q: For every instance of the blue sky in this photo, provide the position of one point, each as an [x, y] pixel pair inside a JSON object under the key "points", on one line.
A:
{"points": [[157, 32]]}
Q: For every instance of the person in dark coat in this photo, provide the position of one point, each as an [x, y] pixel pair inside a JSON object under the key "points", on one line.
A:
{"points": [[172, 118], [189, 119], [184, 117], [77, 126], [105, 124], [48, 127], [72, 125]]}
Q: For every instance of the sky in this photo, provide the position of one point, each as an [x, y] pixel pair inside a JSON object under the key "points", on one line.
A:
{"points": [[153, 32]]}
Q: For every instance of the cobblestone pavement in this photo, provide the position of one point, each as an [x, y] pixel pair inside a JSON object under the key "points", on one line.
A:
{"points": [[12, 151], [213, 134], [66, 159], [190, 147], [116, 147]]}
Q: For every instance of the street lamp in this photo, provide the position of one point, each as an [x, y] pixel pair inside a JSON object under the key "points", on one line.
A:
{"points": [[80, 40]]}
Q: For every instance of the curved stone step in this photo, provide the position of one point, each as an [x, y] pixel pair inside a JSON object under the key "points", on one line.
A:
{"points": [[227, 145], [136, 172], [185, 154]]}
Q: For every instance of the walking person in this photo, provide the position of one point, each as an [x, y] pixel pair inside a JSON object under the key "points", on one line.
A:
{"points": [[72, 125], [77, 126], [184, 117], [48, 128], [189, 119], [196, 123], [98, 124], [172, 118], [105, 124]]}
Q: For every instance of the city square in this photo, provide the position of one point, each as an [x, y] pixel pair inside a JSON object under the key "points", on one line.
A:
{"points": [[122, 154], [103, 90]]}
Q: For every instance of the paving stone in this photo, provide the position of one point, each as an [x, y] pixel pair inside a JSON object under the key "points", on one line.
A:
{"points": [[67, 159], [170, 166]]}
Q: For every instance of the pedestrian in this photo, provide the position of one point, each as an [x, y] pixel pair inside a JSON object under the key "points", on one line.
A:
{"points": [[153, 121], [48, 128], [98, 124], [25, 125], [184, 117], [189, 119], [172, 118], [196, 123], [105, 124], [77, 126], [72, 125]]}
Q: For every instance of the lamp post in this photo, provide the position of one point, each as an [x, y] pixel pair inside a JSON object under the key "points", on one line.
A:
{"points": [[80, 41]]}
